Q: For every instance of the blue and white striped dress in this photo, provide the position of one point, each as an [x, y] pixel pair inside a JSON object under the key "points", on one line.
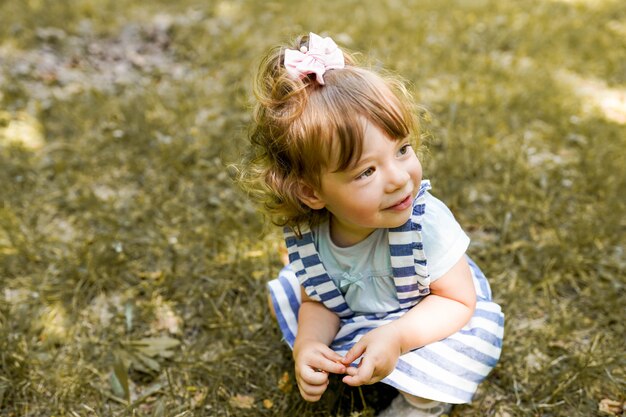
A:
{"points": [[448, 370]]}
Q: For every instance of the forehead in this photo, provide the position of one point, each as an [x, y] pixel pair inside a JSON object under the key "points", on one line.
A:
{"points": [[334, 120], [341, 155]]}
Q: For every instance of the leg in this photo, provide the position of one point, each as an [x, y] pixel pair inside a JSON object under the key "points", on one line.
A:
{"points": [[407, 405], [418, 402]]}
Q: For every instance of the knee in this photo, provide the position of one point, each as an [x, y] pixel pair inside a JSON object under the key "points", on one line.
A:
{"points": [[415, 400]]}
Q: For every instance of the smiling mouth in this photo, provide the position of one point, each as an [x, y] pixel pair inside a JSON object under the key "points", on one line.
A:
{"points": [[401, 205]]}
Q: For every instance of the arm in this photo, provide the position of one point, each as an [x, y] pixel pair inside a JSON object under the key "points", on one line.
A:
{"points": [[317, 327], [447, 309]]}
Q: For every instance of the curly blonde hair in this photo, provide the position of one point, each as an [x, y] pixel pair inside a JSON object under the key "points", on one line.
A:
{"points": [[300, 128]]}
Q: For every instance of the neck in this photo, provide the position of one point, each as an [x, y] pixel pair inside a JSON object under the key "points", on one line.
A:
{"points": [[343, 235]]}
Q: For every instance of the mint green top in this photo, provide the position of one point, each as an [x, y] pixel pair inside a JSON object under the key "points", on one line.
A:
{"points": [[362, 272]]}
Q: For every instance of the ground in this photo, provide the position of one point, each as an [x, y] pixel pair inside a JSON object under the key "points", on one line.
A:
{"points": [[133, 269]]}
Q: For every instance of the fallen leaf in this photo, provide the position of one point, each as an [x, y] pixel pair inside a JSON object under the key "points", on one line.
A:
{"points": [[151, 274], [153, 346], [284, 384], [199, 398], [241, 401], [159, 410], [128, 313], [612, 407], [119, 379], [259, 274], [145, 363]]}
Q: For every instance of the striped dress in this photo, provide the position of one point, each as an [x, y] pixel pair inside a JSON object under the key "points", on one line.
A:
{"points": [[448, 370]]}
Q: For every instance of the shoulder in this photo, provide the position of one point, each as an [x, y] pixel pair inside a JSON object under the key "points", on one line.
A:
{"points": [[436, 209], [438, 220]]}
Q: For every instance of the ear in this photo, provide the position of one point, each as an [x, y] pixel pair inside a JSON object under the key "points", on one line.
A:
{"points": [[309, 196]]}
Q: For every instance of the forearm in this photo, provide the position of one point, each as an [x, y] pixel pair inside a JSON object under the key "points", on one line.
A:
{"points": [[433, 319], [314, 359], [316, 323]]}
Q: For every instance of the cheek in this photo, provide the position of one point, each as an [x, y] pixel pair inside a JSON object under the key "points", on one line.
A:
{"points": [[355, 204], [417, 170], [418, 174], [366, 204]]}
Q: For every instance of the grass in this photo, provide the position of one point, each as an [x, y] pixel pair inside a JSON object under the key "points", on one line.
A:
{"points": [[133, 271]]}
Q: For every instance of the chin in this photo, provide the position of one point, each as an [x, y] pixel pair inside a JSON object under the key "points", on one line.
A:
{"points": [[401, 222]]}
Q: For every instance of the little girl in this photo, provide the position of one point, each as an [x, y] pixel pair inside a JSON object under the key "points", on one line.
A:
{"points": [[378, 286]]}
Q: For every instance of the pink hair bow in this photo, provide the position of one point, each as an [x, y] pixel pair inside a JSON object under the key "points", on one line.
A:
{"points": [[323, 54]]}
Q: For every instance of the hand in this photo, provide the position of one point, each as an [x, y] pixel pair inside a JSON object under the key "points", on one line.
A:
{"points": [[379, 351], [314, 361]]}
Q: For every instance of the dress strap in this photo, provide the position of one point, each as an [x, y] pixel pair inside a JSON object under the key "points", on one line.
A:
{"points": [[408, 260], [312, 274]]}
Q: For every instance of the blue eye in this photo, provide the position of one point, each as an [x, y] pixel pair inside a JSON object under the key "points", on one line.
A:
{"points": [[365, 174]]}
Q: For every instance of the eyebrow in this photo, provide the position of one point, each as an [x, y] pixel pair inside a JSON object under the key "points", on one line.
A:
{"points": [[365, 159], [353, 168]]}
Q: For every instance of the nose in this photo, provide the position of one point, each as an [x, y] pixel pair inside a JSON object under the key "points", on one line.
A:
{"points": [[397, 177]]}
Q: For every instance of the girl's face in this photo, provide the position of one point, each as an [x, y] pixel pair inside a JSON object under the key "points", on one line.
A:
{"points": [[377, 192]]}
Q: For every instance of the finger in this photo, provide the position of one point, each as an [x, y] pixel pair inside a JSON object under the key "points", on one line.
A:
{"points": [[363, 375], [310, 398], [312, 392], [324, 364], [331, 354], [356, 351], [352, 370], [314, 378]]}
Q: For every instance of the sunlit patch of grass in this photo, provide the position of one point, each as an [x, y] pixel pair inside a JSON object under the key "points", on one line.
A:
{"points": [[121, 228], [20, 129], [595, 94]]}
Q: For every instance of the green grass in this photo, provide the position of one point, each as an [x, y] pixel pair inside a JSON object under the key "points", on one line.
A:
{"points": [[119, 221]]}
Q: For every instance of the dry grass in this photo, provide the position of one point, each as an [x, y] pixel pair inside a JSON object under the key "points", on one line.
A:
{"points": [[133, 271]]}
